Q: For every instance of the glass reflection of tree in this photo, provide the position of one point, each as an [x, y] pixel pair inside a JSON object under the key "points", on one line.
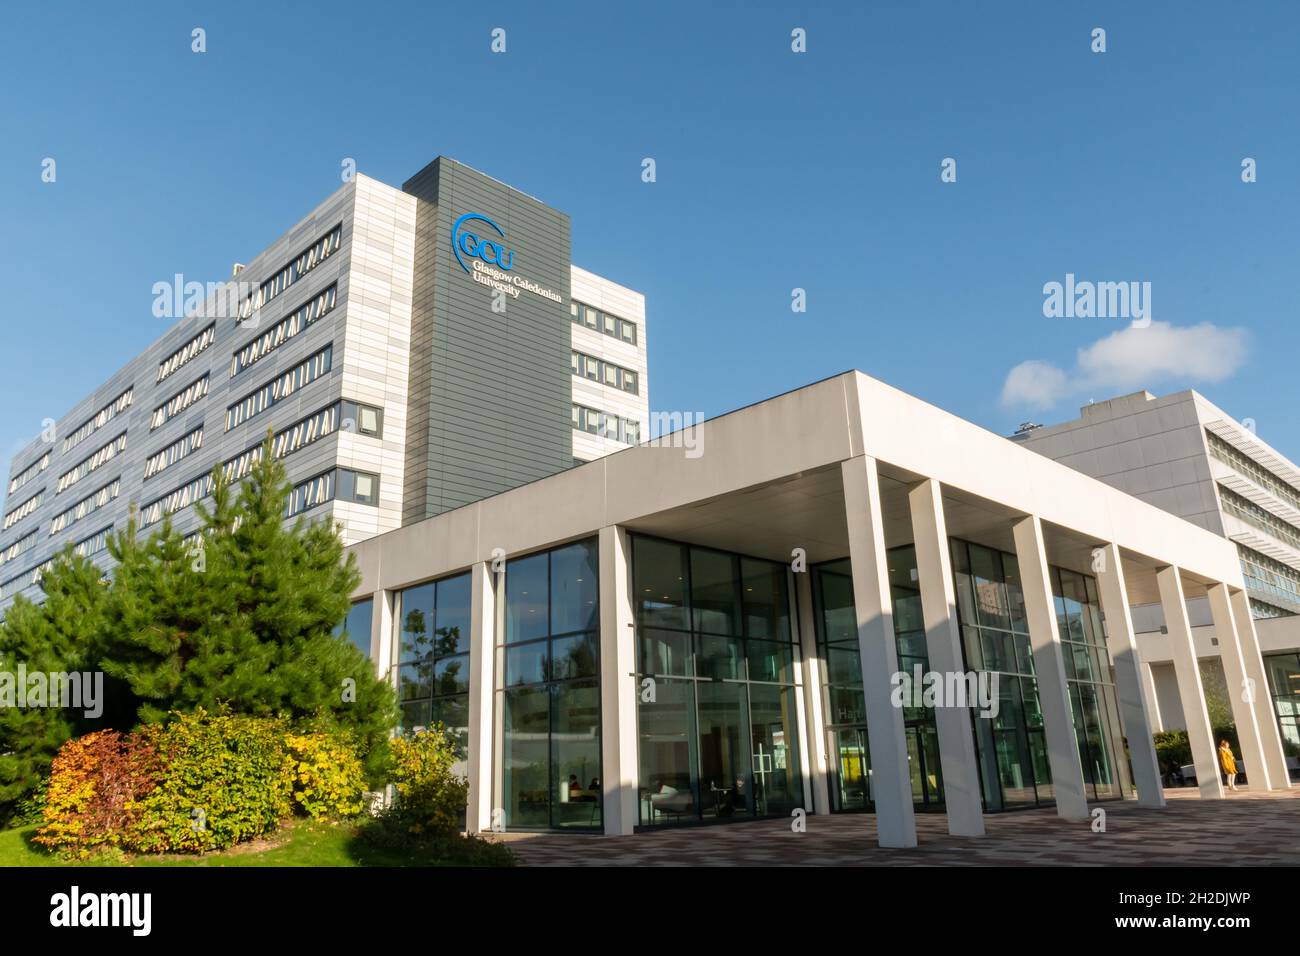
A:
{"points": [[416, 647]]}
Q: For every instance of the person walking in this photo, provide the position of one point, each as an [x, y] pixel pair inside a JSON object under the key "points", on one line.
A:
{"points": [[1228, 763]]}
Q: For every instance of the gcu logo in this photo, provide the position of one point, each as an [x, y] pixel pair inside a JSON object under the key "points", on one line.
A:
{"points": [[491, 252]]}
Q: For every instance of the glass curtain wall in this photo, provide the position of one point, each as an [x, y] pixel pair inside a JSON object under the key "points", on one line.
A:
{"points": [[1011, 746], [1093, 700], [549, 701], [837, 641], [716, 716], [433, 655], [1284, 685]]}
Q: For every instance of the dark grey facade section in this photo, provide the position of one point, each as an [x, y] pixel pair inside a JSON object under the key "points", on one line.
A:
{"points": [[490, 391]]}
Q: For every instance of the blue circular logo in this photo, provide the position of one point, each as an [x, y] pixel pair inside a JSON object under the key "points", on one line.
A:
{"points": [[490, 251]]}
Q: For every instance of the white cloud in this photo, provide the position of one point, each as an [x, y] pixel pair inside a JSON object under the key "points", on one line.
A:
{"points": [[1131, 359]]}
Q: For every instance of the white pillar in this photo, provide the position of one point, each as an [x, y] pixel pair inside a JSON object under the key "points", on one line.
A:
{"points": [[1152, 698], [381, 633], [1279, 777], [1188, 671], [814, 679], [482, 694], [1049, 667], [618, 687], [1234, 673], [961, 779], [1134, 710], [890, 781]]}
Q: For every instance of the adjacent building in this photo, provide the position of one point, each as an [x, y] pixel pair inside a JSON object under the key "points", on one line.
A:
{"points": [[712, 628], [410, 350], [1187, 456]]}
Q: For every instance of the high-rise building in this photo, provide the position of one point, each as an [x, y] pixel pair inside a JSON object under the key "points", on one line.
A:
{"points": [[412, 350]]}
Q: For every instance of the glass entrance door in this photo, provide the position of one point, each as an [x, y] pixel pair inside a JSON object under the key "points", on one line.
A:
{"points": [[852, 769], [726, 785]]}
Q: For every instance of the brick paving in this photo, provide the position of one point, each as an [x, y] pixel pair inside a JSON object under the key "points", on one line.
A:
{"points": [[1244, 829]]}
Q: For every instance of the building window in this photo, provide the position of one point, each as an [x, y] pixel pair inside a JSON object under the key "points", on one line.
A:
{"points": [[1251, 513], [356, 626], [1093, 700], [176, 500], [97, 542], [100, 458], [1283, 671], [836, 623], [317, 307], [433, 655], [28, 473], [342, 484], [1253, 470], [304, 263], [720, 739], [1011, 747], [178, 403], [605, 425], [86, 506], [280, 388], [19, 547], [24, 510], [180, 449], [550, 771], [99, 419], [591, 317], [607, 373], [182, 356]]}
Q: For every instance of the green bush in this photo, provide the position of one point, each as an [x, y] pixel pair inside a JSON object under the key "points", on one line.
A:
{"points": [[429, 796], [224, 779], [1172, 749]]}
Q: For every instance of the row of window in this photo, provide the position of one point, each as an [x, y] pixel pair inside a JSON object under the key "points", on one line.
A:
{"points": [[179, 403], [611, 325], [100, 419], [1261, 518], [284, 330], [277, 390], [96, 461], [24, 509], [338, 484], [180, 449], [187, 353], [29, 473], [1264, 574], [302, 264], [607, 373], [86, 506], [345, 414], [605, 425], [19, 547], [1273, 484]]}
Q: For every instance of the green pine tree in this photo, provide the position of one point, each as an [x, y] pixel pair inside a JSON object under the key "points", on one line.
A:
{"points": [[56, 636], [247, 621]]}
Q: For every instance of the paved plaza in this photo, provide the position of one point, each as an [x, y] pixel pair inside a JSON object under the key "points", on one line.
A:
{"points": [[1244, 829]]}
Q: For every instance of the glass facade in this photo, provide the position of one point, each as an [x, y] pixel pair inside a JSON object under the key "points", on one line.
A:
{"points": [[1283, 672], [1011, 746], [843, 704], [1093, 699], [433, 655], [548, 703], [717, 724], [356, 626]]}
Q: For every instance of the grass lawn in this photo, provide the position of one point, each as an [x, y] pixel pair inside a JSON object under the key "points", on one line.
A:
{"points": [[301, 843]]}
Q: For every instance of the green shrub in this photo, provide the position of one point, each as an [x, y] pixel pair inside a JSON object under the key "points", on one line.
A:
{"points": [[326, 775], [429, 796], [224, 779], [1172, 749]]}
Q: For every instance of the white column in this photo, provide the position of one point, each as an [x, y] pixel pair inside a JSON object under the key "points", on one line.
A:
{"points": [[1234, 673], [1279, 777], [1049, 667], [814, 678], [618, 687], [1188, 671], [1134, 710], [961, 779], [482, 694], [890, 782], [1152, 698], [381, 632]]}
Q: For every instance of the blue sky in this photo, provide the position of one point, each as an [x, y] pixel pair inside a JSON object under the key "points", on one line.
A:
{"points": [[774, 171]]}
